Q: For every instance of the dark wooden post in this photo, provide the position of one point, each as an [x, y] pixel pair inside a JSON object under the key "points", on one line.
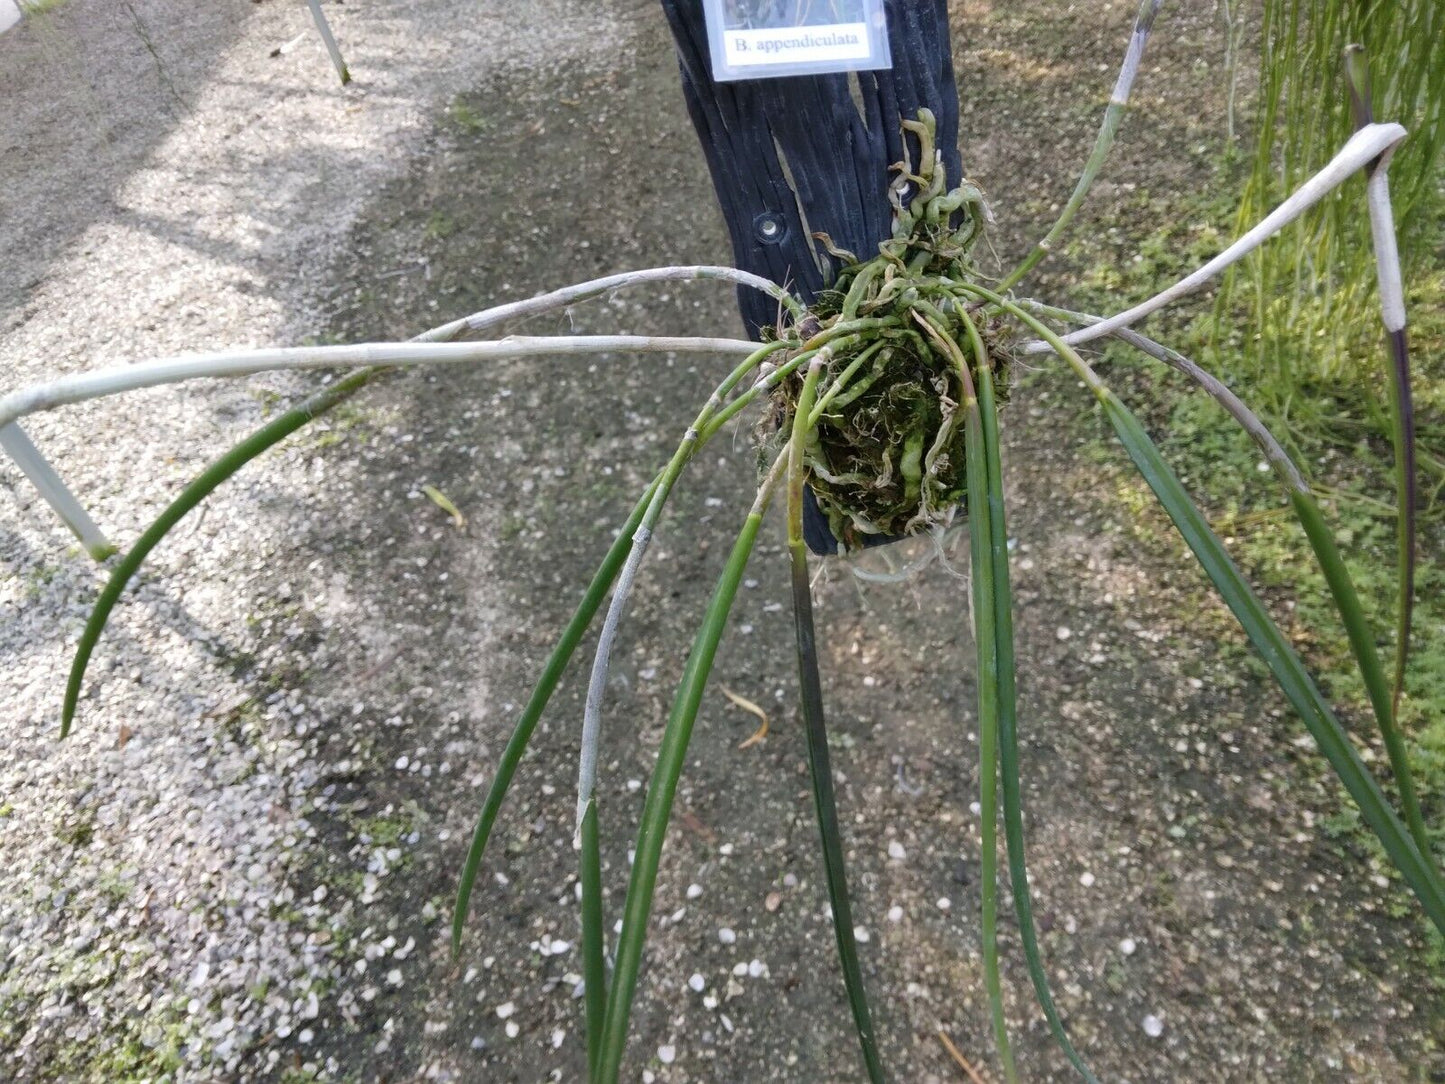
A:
{"points": [[805, 154]]}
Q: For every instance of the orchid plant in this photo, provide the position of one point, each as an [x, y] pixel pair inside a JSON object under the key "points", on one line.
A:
{"points": [[883, 398]]}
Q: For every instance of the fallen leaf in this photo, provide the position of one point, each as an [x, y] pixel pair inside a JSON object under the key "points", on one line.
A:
{"points": [[440, 499], [747, 705]]}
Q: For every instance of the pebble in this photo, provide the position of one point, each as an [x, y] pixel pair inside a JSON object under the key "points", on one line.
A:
{"points": [[861, 935], [895, 913], [694, 891], [667, 1054], [1153, 1026], [944, 903], [1127, 946], [1086, 879], [697, 983], [896, 851], [727, 935]]}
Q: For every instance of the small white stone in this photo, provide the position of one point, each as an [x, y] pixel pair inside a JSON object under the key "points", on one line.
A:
{"points": [[757, 969], [944, 903], [896, 851], [861, 935], [319, 894], [667, 1054], [727, 935], [506, 1009], [394, 976], [512, 1029], [1153, 1026], [1086, 879], [694, 891], [697, 982], [558, 1038], [1127, 946], [895, 913], [1063, 632], [725, 850]]}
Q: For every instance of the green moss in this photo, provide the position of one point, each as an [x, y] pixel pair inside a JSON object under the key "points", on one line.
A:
{"points": [[466, 117]]}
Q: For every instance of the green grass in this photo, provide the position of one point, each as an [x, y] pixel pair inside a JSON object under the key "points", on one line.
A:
{"points": [[1316, 286], [38, 7]]}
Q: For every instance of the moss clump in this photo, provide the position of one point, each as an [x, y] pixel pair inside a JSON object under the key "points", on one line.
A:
{"points": [[886, 457]]}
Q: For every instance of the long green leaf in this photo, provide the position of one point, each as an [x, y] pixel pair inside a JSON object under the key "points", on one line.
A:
{"points": [[1418, 868], [819, 763], [658, 807], [986, 648], [1108, 128], [1288, 670], [1008, 739], [536, 704], [594, 937], [1402, 404], [198, 490], [1327, 555], [1362, 644]]}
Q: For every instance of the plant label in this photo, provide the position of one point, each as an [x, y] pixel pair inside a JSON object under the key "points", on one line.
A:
{"points": [[765, 39]]}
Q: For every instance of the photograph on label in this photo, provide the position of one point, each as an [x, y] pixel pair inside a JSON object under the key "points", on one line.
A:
{"points": [[780, 14]]}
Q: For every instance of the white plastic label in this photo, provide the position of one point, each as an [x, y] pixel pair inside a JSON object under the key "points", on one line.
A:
{"points": [[764, 39]]}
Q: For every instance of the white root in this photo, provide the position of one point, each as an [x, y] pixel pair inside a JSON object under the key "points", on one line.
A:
{"points": [[1370, 142]]}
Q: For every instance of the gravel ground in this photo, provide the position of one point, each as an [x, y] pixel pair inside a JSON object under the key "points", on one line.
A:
{"points": [[167, 184], [240, 864]]}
